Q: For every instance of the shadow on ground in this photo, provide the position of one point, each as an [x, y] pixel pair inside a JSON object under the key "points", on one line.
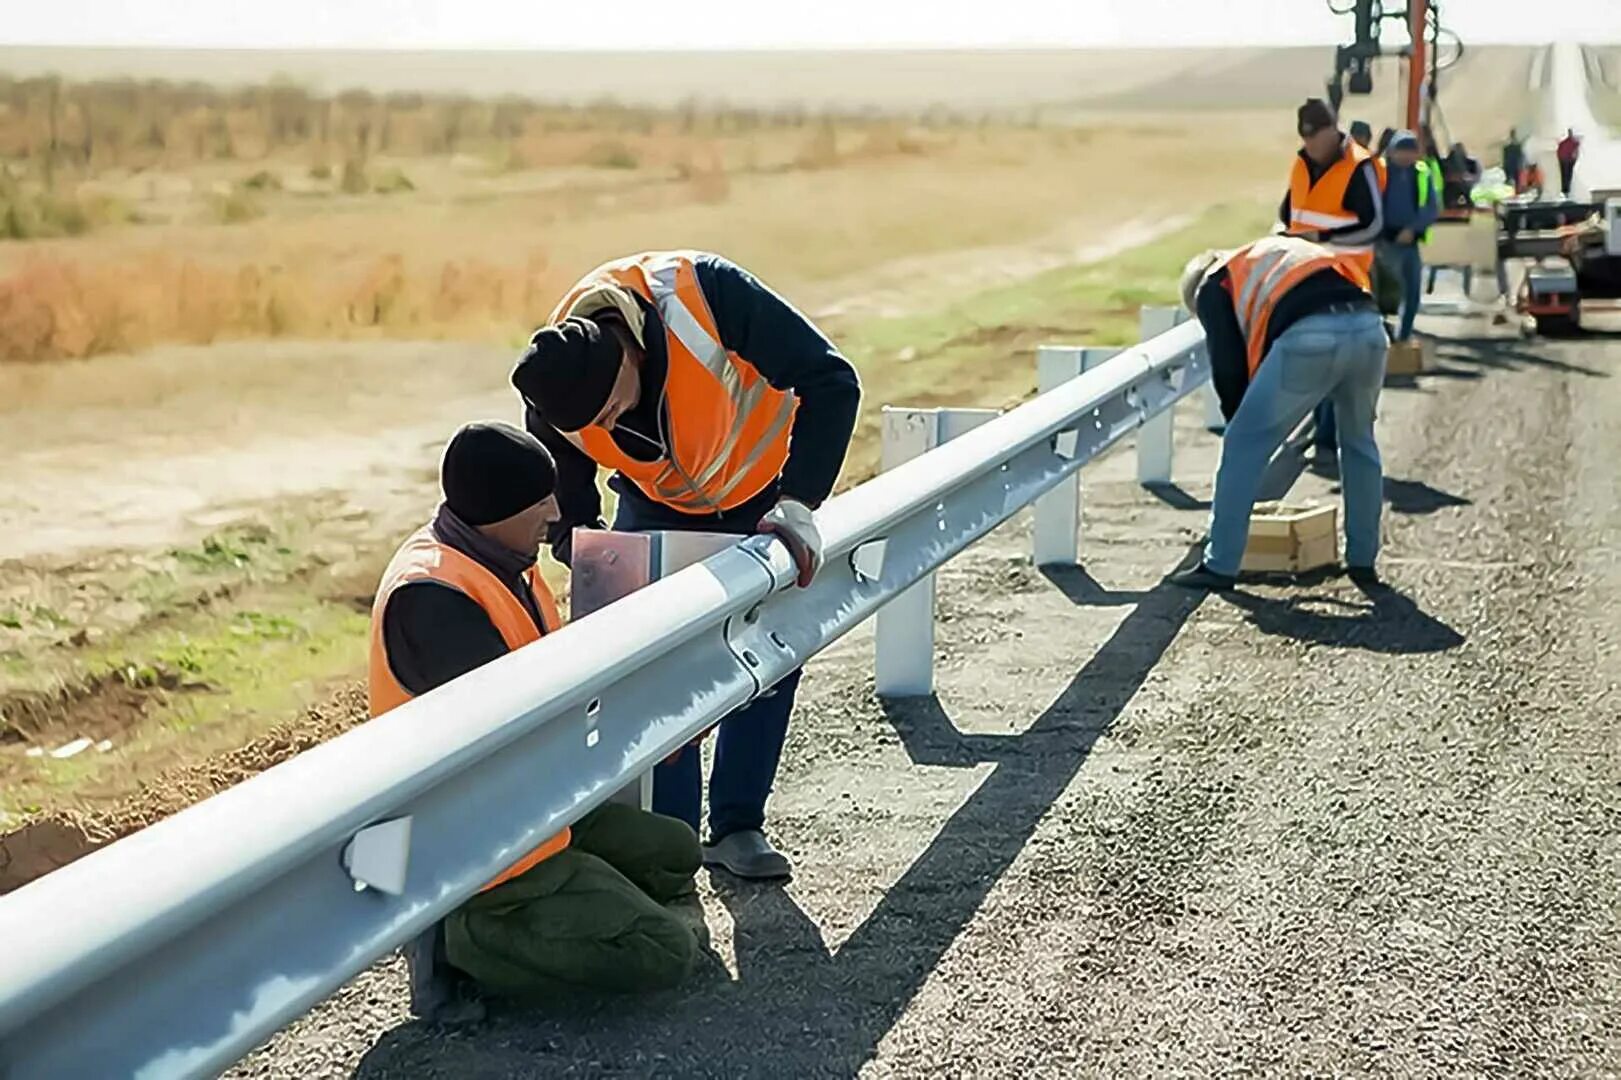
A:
{"points": [[1384, 621], [1504, 354], [795, 1009]]}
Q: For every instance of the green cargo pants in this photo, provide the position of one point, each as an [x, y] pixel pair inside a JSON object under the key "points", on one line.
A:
{"points": [[591, 917]]}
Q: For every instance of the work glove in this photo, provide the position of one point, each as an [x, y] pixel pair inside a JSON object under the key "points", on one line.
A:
{"points": [[791, 522]]}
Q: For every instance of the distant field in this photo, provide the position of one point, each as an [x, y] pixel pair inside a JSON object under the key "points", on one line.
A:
{"points": [[1604, 79], [1227, 78], [904, 81]]}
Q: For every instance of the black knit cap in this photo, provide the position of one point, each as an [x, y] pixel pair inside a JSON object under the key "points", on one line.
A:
{"points": [[492, 471], [568, 372], [1315, 115]]}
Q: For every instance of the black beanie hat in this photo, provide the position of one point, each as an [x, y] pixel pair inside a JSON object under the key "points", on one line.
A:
{"points": [[493, 470], [1314, 116], [569, 371]]}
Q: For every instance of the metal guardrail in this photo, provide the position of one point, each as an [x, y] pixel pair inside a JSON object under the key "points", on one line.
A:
{"points": [[178, 949]]}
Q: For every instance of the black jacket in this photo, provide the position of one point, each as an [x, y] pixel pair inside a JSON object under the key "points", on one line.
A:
{"points": [[434, 633], [1361, 198], [782, 345], [1229, 352]]}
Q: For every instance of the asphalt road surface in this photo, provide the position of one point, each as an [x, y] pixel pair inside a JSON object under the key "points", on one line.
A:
{"points": [[1298, 829]]}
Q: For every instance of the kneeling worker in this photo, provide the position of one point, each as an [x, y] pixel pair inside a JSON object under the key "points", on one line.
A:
{"points": [[608, 905], [720, 409], [1289, 324]]}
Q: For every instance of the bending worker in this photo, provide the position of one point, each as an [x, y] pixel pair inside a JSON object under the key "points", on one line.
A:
{"points": [[719, 408], [1334, 197], [1289, 324], [612, 903]]}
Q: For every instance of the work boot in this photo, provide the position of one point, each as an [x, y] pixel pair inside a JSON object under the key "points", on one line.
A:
{"points": [[748, 854], [1202, 577], [439, 993], [1365, 576]]}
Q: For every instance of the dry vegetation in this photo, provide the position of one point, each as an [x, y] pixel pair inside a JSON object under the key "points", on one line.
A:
{"points": [[325, 178]]}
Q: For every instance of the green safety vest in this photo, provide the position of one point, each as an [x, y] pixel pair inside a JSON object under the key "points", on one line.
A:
{"points": [[1429, 180]]}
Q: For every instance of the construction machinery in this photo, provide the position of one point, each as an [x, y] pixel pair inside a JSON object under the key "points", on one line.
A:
{"points": [[1572, 252], [1430, 50]]}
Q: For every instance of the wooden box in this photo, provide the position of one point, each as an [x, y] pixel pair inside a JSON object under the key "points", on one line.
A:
{"points": [[1406, 358], [1291, 539]]}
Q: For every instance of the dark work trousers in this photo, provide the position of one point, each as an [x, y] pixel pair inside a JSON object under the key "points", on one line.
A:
{"points": [[1567, 174], [750, 741]]}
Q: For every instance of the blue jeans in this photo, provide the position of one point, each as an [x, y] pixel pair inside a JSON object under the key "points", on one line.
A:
{"points": [[1410, 262], [1339, 358], [749, 745]]}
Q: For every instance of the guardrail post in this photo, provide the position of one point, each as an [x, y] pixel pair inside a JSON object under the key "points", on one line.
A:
{"points": [[1058, 513], [1156, 440], [904, 639]]}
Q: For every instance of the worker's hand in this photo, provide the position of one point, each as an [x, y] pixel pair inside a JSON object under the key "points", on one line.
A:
{"points": [[1406, 236], [791, 522]]}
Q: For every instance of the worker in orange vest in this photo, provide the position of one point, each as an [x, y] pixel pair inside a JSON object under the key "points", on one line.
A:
{"points": [[1288, 323], [610, 904], [1335, 196], [718, 408]]}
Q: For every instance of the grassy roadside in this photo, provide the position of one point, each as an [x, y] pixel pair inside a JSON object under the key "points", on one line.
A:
{"points": [[179, 657]]}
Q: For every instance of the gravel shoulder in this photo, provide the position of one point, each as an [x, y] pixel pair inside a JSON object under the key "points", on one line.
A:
{"points": [[1302, 829]]}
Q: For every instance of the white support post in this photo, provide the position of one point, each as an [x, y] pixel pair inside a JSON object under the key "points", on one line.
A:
{"points": [[1156, 440], [904, 638], [1058, 513]]}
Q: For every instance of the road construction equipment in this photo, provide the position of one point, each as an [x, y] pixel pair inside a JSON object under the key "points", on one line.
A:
{"points": [[1573, 251]]}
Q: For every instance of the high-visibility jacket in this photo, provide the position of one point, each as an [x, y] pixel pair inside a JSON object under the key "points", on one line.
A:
{"points": [[724, 428], [1381, 171], [1320, 206], [1260, 274], [1429, 186], [424, 558]]}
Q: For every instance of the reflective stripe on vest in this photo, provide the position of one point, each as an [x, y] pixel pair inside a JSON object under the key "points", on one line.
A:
{"points": [[1314, 207], [1260, 274], [727, 428], [423, 558]]}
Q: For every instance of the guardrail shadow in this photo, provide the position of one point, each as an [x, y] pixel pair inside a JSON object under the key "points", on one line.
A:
{"points": [[796, 1008]]}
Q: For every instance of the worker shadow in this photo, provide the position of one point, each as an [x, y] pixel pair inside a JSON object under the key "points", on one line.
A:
{"points": [[1383, 620], [1414, 497], [1176, 497], [1418, 498], [1506, 355], [796, 1006]]}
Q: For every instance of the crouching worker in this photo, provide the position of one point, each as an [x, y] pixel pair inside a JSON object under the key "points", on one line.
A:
{"points": [[1289, 323], [609, 905]]}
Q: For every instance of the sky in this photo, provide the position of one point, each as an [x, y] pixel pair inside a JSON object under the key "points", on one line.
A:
{"points": [[751, 24]]}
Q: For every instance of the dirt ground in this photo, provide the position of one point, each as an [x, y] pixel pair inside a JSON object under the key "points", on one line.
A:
{"points": [[1300, 829]]}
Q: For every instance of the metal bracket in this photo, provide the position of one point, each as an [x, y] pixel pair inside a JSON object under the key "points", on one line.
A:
{"points": [[378, 856]]}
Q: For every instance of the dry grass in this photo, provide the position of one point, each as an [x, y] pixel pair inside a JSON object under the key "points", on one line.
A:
{"points": [[488, 265]]}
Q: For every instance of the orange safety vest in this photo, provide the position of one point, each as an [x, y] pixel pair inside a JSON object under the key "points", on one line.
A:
{"points": [[1314, 207], [1259, 274], [726, 432], [1381, 171], [423, 558]]}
